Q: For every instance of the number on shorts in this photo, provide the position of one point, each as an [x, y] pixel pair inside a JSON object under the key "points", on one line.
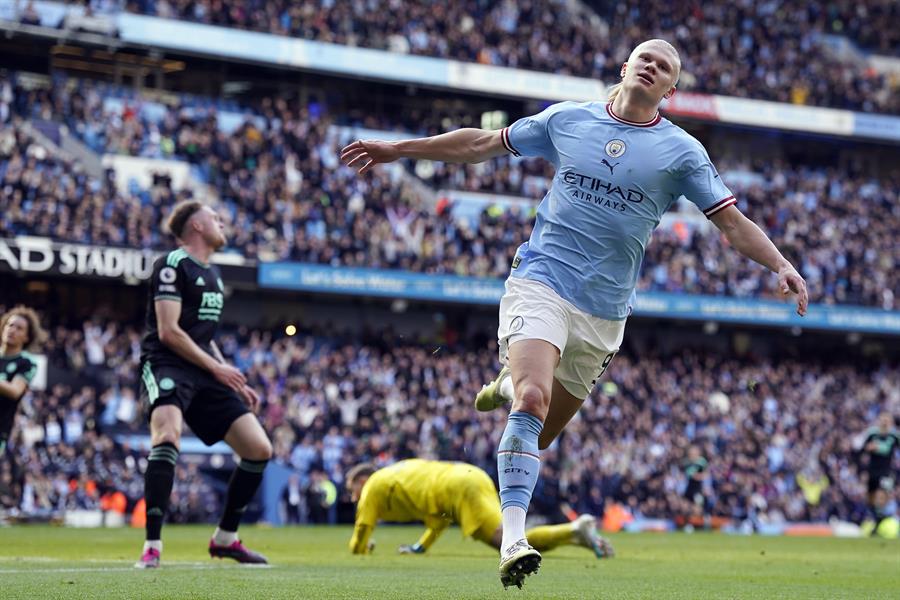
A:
{"points": [[603, 367]]}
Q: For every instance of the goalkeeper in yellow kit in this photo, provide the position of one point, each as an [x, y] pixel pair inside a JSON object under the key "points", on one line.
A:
{"points": [[441, 493]]}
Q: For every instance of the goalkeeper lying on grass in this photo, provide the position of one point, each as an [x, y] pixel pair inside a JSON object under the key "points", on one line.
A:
{"points": [[441, 493]]}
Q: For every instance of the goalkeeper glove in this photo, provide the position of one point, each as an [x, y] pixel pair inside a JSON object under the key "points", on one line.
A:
{"points": [[411, 549]]}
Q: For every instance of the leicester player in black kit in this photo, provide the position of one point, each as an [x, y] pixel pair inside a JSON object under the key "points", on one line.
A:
{"points": [[19, 329], [695, 467], [879, 444], [183, 382]]}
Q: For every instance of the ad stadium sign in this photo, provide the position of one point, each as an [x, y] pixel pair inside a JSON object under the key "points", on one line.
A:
{"points": [[40, 255]]}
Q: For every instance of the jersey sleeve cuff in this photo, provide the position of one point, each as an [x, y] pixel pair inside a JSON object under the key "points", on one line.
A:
{"points": [[720, 205], [504, 138], [167, 297]]}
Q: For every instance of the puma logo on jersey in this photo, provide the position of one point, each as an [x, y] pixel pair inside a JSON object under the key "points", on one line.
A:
{"points": [[611, 167]]}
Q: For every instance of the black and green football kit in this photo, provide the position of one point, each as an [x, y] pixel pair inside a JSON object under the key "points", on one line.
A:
{"points": [[209, 407], [881, 474], [694, 489], [11, 367]]}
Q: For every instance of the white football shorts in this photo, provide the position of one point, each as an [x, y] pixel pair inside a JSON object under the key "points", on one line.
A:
{"points": [[530, 310]]}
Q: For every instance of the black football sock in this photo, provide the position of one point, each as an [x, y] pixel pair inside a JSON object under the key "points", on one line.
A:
{"points": [[158, 480], [243, 485]]}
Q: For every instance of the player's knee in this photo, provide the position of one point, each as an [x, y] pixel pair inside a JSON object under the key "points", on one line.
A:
{"points": [[267, 451], [261, 450], [532, 399], [165, 435]]}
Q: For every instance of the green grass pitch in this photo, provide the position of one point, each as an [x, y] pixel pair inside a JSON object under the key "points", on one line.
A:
{"points": [[313, 562]]}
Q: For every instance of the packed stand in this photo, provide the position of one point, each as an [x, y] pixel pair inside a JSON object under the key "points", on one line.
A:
{"points": [[838, 227], [768, 51], [286, 198], [42, 193], [62, 458], [329, 402]]}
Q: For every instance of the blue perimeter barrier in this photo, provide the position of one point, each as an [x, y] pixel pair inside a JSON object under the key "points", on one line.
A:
{"points": [[487, 291]]}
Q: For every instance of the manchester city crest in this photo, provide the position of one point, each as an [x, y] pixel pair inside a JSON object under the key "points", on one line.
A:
{"points": [[615, 148]]}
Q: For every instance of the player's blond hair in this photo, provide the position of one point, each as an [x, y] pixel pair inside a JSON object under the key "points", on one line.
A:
{"points": [[361, 470], [180, 215], [36, 333], [615, 89]]}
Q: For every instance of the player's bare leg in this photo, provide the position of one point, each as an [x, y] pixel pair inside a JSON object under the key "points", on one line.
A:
{"points": [[563, 407], [248, 439], [531, 363], [165, 435]]}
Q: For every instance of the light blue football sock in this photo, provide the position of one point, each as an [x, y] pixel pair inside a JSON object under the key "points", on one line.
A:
{"points": [[518, 459]]}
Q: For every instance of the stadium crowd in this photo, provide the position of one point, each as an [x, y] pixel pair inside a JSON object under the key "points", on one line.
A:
{"points": [[63, 460], [286, 198], [766, 426], [769, 51]]}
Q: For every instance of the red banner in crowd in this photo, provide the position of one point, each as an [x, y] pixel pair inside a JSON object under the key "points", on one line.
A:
{"points": [[690, 104]]}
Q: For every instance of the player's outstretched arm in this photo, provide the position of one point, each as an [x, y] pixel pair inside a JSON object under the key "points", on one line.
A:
{"points": [[466, 145], [748, 239], [178, 341]]}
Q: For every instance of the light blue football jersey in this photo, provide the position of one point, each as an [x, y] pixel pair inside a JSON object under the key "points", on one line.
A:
{"points": [[614, 180]]}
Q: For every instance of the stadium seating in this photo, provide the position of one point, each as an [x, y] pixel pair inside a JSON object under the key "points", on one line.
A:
{"points": [[777, 54], [363, 308], [329, 402], [266, 166]]}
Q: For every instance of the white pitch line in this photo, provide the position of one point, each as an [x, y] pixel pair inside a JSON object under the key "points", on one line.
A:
{"points": [[30, 559], [47, 559], [105, 561], [99, 569], [165, 567]]}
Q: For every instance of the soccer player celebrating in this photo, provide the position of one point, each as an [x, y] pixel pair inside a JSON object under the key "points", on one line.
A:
{"points": [[20, 328], [619, 167], [880, 443], [183, 382], [442, 493]]}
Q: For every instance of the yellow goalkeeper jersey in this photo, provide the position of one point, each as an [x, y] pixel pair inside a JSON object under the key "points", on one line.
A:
{"points": [[434, 492]]}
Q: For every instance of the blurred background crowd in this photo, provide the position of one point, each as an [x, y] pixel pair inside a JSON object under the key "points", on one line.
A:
{"points": [[779, 51], [779, 422], [330, 401], [275, 173]]}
